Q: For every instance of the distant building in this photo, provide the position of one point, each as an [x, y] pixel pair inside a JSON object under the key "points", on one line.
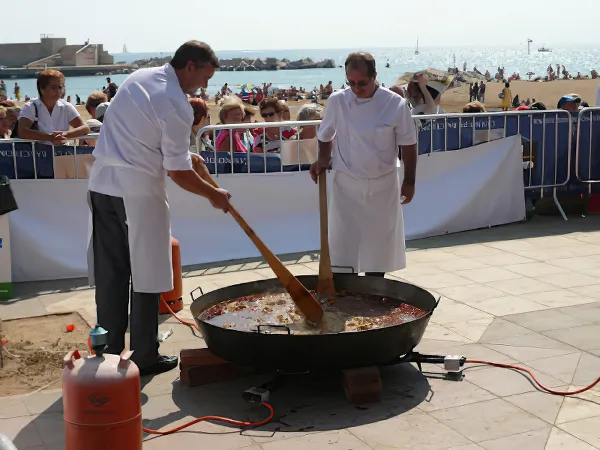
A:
{"points": [[53, 52]]}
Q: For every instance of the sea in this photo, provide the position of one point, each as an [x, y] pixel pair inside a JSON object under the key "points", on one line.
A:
{"points": [[401, 60]]}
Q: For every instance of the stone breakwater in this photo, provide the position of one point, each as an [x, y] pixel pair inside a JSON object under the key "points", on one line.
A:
{"points": [[250, 64]]}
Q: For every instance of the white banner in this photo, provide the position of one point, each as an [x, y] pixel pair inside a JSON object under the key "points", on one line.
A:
{"points": [[456, 191]]}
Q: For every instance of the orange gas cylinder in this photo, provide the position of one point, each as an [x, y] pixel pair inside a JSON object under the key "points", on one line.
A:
{"points": [[101, 400], [174, 298]]}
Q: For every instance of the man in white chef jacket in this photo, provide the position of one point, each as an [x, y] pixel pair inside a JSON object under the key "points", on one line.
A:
{"points": [[144, 136], [362, 130]]}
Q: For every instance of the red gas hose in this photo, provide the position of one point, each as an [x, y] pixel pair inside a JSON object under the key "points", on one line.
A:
{"points": [[239, 423], [544, 388], [184, 322]]}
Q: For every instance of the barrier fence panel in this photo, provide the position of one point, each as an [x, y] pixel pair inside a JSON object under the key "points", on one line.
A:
{"points": [[587, 160], [29, 160], [547, 138], [289, 153]]}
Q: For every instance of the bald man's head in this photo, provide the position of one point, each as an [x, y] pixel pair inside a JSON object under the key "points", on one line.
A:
{"points": [[398, 90]]}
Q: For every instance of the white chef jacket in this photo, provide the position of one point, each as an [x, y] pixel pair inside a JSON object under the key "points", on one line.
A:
{"points": [[367, 132], [62, 115], [145, 133], [146, 128]]}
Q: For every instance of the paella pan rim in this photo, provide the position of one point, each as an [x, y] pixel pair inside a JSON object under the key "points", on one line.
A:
{"points": [[278, 287], [299, 352]]}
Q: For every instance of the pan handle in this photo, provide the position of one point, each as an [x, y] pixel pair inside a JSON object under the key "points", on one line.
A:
{"points": [[192, 293], [436, 303], [284, 327]]}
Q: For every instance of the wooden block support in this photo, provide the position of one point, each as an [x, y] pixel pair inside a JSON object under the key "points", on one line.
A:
{"points": [[362, 385], [200, 366]]}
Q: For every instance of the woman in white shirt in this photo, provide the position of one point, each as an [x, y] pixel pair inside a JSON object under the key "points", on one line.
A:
{"points": [[48, 117]]}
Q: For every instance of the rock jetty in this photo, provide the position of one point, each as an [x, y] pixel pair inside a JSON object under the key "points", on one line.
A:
{"points": [[250, 64]]}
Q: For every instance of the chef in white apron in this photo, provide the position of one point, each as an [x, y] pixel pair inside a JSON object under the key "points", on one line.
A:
{"points": [[144, 137], [362, 130]]}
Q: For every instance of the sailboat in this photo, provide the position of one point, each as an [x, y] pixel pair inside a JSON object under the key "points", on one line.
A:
{"points": [[417, 49], [125, 49]]}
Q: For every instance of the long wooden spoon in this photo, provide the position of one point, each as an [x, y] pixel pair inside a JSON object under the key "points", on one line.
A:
{"points": [[325, 284], [306, 302]]}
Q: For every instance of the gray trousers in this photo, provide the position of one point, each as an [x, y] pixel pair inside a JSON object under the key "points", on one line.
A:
{"points": [[112, 271]]}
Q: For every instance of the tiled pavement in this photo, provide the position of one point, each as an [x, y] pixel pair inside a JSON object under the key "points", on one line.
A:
{"points": [[526, 293]]}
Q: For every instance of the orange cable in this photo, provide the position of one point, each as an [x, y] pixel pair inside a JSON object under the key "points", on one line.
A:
{"points": [[521, 369], [184, 322], [216, 419]]}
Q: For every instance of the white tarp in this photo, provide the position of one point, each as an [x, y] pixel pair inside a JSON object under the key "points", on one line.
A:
{"points": [[456, 191]]}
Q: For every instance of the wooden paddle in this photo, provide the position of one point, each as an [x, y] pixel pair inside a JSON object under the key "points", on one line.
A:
{"points": [[325, 284], [306, 302]]}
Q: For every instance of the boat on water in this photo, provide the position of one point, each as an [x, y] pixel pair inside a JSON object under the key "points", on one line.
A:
{"points": [[543, 49], [417, 49]]}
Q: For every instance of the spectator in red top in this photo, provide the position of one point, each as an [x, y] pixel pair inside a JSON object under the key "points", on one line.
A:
{"points": [[232, 112]]}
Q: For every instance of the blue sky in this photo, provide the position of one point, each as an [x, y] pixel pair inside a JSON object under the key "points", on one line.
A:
{"points": [[156, 25]]}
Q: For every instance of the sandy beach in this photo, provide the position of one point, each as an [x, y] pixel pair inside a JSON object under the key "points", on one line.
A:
{"points": [[454, 99]]}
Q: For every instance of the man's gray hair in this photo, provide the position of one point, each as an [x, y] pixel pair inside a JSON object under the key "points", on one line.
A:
{"points": [[310, 112]]}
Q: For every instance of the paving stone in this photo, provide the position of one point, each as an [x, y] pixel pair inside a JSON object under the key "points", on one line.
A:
{"points": [[569, 279], [448, 394], [488, 274], [522, 285], [587, 430], [580, 406], [528, 353], [531, 440], [21, 431], [329, 440], [503, 306], [11, 407], [500, 329], [558, 299], [540, 404], [560, 367], [504, 382], [417, 431], [583, 337], [550, 319], [589, 312], [535, 269], [503, 259], [472, 330], [470, 294], [492, 419], [559, 440]]}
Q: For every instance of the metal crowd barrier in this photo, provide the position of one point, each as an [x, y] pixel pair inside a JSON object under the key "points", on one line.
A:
{"points": [[291, 156], [33, 160], [587, 154], [547, 138]]}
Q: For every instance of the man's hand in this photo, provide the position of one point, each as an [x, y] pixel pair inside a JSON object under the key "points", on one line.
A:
{"points": [[317, 167], [408, 192], [199, 165], [220, 199], [58, 138]]}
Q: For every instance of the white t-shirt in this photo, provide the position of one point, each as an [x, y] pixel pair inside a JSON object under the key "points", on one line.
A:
{"points": [[367, 132], [146, 129], [62, 115]]}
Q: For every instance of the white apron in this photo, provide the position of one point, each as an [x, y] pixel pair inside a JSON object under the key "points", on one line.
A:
{"points": [[366, 227], [149, 231]]}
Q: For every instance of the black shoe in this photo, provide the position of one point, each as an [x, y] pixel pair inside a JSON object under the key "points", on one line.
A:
{"points": [[162, 364]]}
